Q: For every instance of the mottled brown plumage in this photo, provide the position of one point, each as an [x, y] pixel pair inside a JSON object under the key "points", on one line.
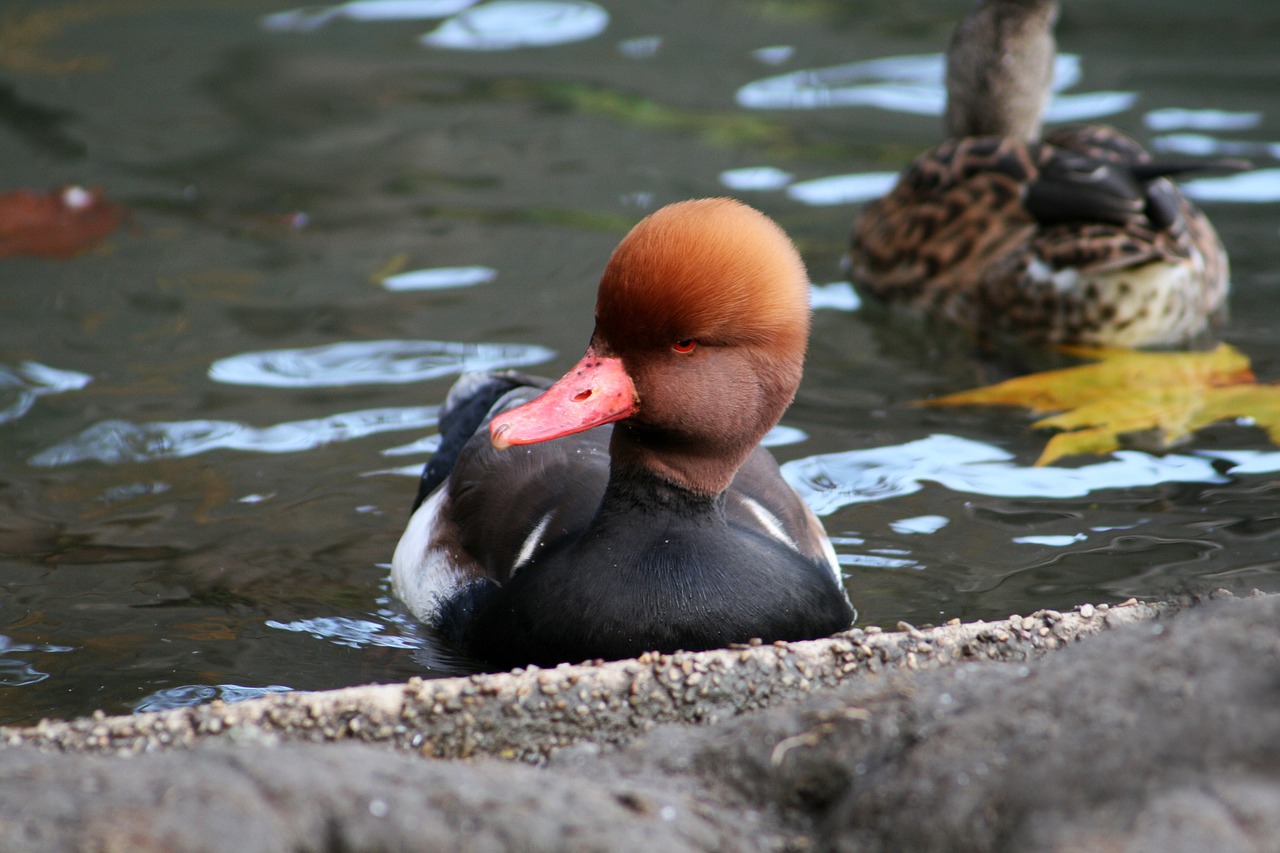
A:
{"points": [[1077, 236]]}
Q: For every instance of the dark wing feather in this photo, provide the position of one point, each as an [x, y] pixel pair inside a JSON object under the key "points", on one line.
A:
{"points": [[465, 410], [499, 498]]}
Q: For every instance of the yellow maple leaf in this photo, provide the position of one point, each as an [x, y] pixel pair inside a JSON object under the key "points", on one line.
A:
{"points": [[1168, 394]]}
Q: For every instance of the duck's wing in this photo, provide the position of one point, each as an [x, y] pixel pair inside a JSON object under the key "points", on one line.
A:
{"points": [[467, 407], [1103, 203], [482, 513], [761, 501]]}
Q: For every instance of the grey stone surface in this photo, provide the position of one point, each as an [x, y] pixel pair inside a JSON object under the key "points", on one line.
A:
{"points": [[1162, 734]]}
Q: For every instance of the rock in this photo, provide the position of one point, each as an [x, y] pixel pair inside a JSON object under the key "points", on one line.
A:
{"points": [[1162, 732]]}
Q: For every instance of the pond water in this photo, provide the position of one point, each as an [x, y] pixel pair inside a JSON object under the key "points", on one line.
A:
{"points": [[210, 423]]}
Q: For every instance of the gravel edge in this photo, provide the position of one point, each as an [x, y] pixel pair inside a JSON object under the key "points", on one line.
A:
{"points": [[527, 714]]}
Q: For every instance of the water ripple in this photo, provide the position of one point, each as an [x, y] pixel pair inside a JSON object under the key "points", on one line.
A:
{"points": [[511, 24], [1205, 145], [920, 524], [910, 84], [117, 441], [1258, 186], [1172, 118], [831, 481], [755, 178], [16, 672], [370, 363], [311, 18], [843, 189], [187, 695], [21, 386], [439, 278], [836, 296], [352, 633]]}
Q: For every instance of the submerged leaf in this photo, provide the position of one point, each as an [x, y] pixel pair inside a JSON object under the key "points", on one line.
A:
{"points": [[1166, 394], [56, 225]]}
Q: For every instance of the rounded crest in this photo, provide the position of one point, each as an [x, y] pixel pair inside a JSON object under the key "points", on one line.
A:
{"points": [[714, 270]]}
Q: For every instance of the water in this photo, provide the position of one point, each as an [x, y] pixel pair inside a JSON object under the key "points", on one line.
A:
{"points": [[209, 424]]}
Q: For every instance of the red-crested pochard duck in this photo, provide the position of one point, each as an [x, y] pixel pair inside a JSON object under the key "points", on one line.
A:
{"points": [[629, 507]]}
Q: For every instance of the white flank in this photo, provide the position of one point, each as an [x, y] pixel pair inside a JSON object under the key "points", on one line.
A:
{"points": [[423, 574]]}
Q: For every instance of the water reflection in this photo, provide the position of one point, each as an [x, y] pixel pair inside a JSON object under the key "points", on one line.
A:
{"points": [[641, 47], [15, 671], [1050, 541], [511, 24], [439, 278], [370, 363], [1204, 145], [344, 631], [843, 189], [314, 17], [834, 480], [116, 441], [1261, 185], [1173, 118], [755, 178], [836, 296], [911, 84], [920, 524], [197, 694], [21, 386]]}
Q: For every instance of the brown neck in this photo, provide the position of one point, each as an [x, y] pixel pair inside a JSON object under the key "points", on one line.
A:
{"points": [[1000, 69], [705, 470]]}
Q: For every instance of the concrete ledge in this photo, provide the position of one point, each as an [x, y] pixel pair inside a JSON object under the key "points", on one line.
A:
{"points": [[527, 714]]}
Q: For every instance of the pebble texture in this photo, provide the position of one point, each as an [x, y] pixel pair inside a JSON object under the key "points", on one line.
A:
{"points": [[1162, 734], [528, 714]]}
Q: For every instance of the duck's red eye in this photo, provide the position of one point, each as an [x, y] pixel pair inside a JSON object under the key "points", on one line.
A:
{"points": [[686, 345]]}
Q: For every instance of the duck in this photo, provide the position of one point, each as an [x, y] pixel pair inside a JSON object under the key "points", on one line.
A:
{"points": [[1074, 237], [628, 507]]}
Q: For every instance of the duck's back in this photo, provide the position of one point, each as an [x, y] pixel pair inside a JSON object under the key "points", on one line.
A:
{"points": [[1074, 239]]}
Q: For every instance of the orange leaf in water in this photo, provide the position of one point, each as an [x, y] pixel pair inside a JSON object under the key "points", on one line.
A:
{"points": [[1167, 394], [57, 224]]}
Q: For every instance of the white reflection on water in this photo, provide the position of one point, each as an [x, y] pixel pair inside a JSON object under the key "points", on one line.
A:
{"points": [[1088, 105], [755, 178], [370, 362], [843, 189], [344, 631], [115, 441], [1173, 118], [1204, 145], [20, 386], [775, 54], [1250, 461], [834, 480], [197, 694], [511, 24], [920, 524], [836, 296], [1258, 186], [640, 47], [1051, 541], [311, 18], [439, 278], [426, 444], [870, 561], [782, 435], [911, 84], [15, 672]]}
